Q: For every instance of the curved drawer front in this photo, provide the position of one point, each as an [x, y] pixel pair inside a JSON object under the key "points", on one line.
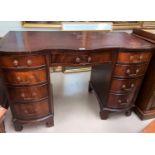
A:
{"points": [[20, 94], [125, 85], [24, 61], [119, 100], [133, 57], [25, 77], [129, 71], [31, 110]]}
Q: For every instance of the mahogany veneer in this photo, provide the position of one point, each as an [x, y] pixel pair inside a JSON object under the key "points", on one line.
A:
{"points": [[119, 62]]}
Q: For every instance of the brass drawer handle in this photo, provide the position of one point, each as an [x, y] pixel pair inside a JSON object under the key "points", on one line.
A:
{"points": [[31, 77], [124, 87], [137, 70], [34, 94], [29, 62], [132, 85], [123, 103], [141, 57], [25, 111], [18, 78], [15, 62], [89, 59], [78, 60], [131, 57], [128, 71], [22, 95]]}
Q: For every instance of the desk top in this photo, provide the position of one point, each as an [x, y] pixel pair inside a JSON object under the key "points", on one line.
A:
{"points": [[28, 41]]}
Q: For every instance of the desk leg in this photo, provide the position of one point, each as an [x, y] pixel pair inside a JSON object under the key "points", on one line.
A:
{"points": [[2, 127]]}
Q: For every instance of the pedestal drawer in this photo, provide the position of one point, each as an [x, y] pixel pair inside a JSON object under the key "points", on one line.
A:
{"points": [[134, 57], [32, 93], [129, 71], [31, 110], [125, 85], [119, 100], [22, 61], [25, 77]]}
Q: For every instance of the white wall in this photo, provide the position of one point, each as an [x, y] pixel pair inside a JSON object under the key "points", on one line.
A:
{"points": [[6, 26]]}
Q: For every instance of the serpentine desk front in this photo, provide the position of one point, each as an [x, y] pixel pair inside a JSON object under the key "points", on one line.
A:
{"points": [[119, 62]]}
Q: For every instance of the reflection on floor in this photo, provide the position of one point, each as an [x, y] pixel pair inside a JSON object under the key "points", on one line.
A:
{"points": [[78, 111]]}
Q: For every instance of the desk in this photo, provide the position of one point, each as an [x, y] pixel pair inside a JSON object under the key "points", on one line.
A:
{"points": [[119, 62]]}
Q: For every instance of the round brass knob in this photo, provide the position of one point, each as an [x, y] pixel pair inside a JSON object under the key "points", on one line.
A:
{"points": [[26, 111], [128, 71], [18, 78], [123, 86], [141, 57], [29, 62], [78, 60], [89, 59], [131, 57], [15, 62], [132, 85], [137, 70], [34, 94], [31, 77], [22, 95], [119, 101]]}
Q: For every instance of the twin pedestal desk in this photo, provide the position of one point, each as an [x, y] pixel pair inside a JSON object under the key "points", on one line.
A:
{"points": [[119, 62]]}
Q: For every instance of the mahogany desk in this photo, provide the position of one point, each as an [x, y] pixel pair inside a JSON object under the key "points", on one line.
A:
{"points": [[119, 62]]}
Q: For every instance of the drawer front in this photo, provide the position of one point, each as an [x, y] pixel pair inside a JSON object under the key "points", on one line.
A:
{"points": [[80, 58], [64, 58], [20, 94], [125, 85], [119, 100], [31, 110], [22, 61], [100, 57], [129, 71], [133, 57], [25, 77]]}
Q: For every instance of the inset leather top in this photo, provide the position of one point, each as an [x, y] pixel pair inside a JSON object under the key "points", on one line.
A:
{"points": [[29, 41]]}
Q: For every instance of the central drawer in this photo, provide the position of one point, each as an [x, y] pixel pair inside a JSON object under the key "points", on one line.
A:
{"points": [[22, 94], [25, 77], [82, 58], [31, 110]]}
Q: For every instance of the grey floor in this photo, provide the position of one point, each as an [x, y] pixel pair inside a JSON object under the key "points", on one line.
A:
{"points": [[78, 111]]}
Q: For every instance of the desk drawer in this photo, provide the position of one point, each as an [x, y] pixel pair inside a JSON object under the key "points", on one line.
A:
{"points": [[20, 94], [133, 57], [119, 100], [23, 61], [31, 110], [129, 71], [25, 77], [125, 85], [99, 57], [82, 58]]}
